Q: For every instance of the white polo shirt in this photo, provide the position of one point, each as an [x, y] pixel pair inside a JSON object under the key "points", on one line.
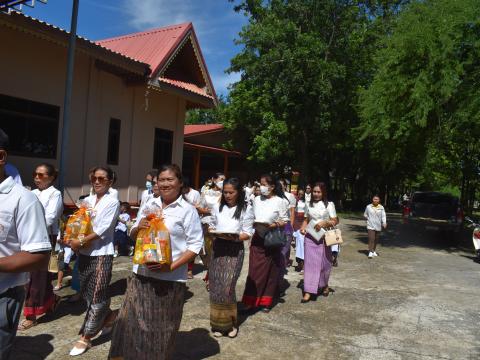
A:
{"points": [[104, 216], [185, 228], [22, 228]]}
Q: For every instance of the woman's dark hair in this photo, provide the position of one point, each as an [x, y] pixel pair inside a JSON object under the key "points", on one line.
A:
{"points": [[217, 175], [51, 171], [175, 169], [272, 181], [303, 196], [323, 189], [153, 173], [109, 171], [241, 204]]}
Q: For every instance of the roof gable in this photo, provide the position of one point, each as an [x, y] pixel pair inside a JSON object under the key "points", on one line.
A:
{"points": [[173, 54]]}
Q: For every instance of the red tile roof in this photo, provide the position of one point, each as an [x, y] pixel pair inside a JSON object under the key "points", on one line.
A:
{"points": [[192, 130], [153, 47], [186, 86]]}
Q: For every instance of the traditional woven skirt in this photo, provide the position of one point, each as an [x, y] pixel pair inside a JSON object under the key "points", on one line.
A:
{"points": [[225, 268], [95, 273], [318, 264], [298, 222], [149, 319], [39, 294], [263, 273]]}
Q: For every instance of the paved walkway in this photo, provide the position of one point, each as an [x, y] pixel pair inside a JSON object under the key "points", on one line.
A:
{"points": [[417, 300]]}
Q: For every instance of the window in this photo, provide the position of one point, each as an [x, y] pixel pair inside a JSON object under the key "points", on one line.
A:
{"points": [[31, 126], [113, 142], [162, 148]]}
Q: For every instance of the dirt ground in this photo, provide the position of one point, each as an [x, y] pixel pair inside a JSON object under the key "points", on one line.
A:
{"points": [[417, 300]]}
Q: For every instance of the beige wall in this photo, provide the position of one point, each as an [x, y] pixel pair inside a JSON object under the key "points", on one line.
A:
{"points": [[34, 69]]}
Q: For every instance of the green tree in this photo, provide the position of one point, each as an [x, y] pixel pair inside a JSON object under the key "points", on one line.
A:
{"points": [[421, 111]]}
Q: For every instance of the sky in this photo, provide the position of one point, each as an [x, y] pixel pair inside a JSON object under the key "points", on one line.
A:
{"points": [[215, 23]]}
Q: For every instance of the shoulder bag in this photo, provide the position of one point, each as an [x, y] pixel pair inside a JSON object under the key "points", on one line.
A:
{"points": [[275, 238], [333, 237]]}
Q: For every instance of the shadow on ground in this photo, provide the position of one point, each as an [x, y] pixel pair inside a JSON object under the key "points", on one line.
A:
{"points": [[195, 344], [32, 347], [406, 235]]}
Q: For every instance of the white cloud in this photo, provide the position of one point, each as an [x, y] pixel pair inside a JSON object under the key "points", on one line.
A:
{"points": [[221, 81]]}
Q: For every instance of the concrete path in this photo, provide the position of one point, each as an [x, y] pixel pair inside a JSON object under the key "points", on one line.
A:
{"points": [[418, 300]]}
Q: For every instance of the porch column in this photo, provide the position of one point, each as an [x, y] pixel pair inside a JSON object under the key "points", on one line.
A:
{"points": [[196, 169]]}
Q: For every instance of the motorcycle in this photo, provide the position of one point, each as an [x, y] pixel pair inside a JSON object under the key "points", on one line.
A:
{"points": [[475, 237]]}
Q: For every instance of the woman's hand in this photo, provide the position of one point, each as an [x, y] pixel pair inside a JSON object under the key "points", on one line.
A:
{"points": [[321, 224], [75, 245], [158, 267], [143, 224], [303, 231], [243, 237]]}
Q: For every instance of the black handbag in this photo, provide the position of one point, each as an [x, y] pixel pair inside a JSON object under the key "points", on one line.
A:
{"points": [[275, 238]]}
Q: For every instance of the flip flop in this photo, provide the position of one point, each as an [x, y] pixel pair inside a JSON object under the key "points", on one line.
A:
{"points": [[58, 288], [80, 347], [23, 327]]}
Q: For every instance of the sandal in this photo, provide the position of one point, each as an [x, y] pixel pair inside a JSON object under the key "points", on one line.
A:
{"points": [[80, 347], [326, 291], [233, 334], [27, 324], [217, 334], [58, 288]]}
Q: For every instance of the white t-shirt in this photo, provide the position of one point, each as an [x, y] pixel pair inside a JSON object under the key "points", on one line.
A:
{"points": [[185, 228], [209, 199], [292, 200], [376, 217], [319, 212], [193, 197], [120, 225], [308, 197], [104, 216], [223, 221], [268, 210], [301, 205], [52, 202], [22, 228]]}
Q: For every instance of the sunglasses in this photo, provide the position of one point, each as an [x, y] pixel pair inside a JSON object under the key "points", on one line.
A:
{"points": [[40, 175], [100, 179]]}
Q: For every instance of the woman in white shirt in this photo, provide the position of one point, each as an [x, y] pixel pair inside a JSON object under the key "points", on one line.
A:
{"points": [[318, 256], [376, 220], [209, 199], [95, 258], [40, 298], [297, 225], [151, 312], [231, 225], [270, 211]]}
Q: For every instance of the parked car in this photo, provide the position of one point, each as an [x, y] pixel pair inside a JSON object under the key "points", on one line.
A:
{"points": [[435, 211]]}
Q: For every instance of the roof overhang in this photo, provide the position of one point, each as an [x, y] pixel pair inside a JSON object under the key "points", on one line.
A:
{"points": [[118, 63], [193, 100], [212, 149]]}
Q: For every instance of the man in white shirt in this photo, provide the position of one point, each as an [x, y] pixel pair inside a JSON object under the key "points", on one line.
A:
{"points": [[376, 219], [24, 247]]}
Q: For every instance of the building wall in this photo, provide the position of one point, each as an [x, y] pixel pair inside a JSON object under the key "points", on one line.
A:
{"points": [[35, 68]]}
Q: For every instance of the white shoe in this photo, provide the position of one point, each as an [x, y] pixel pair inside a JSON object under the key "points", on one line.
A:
{"points": [[115, 254], [370, 255], [80, 347], [375, 253], [132, 250]]}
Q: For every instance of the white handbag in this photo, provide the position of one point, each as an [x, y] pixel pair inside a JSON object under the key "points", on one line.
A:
{"points": [[333, 237]]}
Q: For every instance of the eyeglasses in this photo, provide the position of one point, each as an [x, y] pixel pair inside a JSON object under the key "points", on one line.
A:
{"points": [[100, 179], [40, 175]]}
